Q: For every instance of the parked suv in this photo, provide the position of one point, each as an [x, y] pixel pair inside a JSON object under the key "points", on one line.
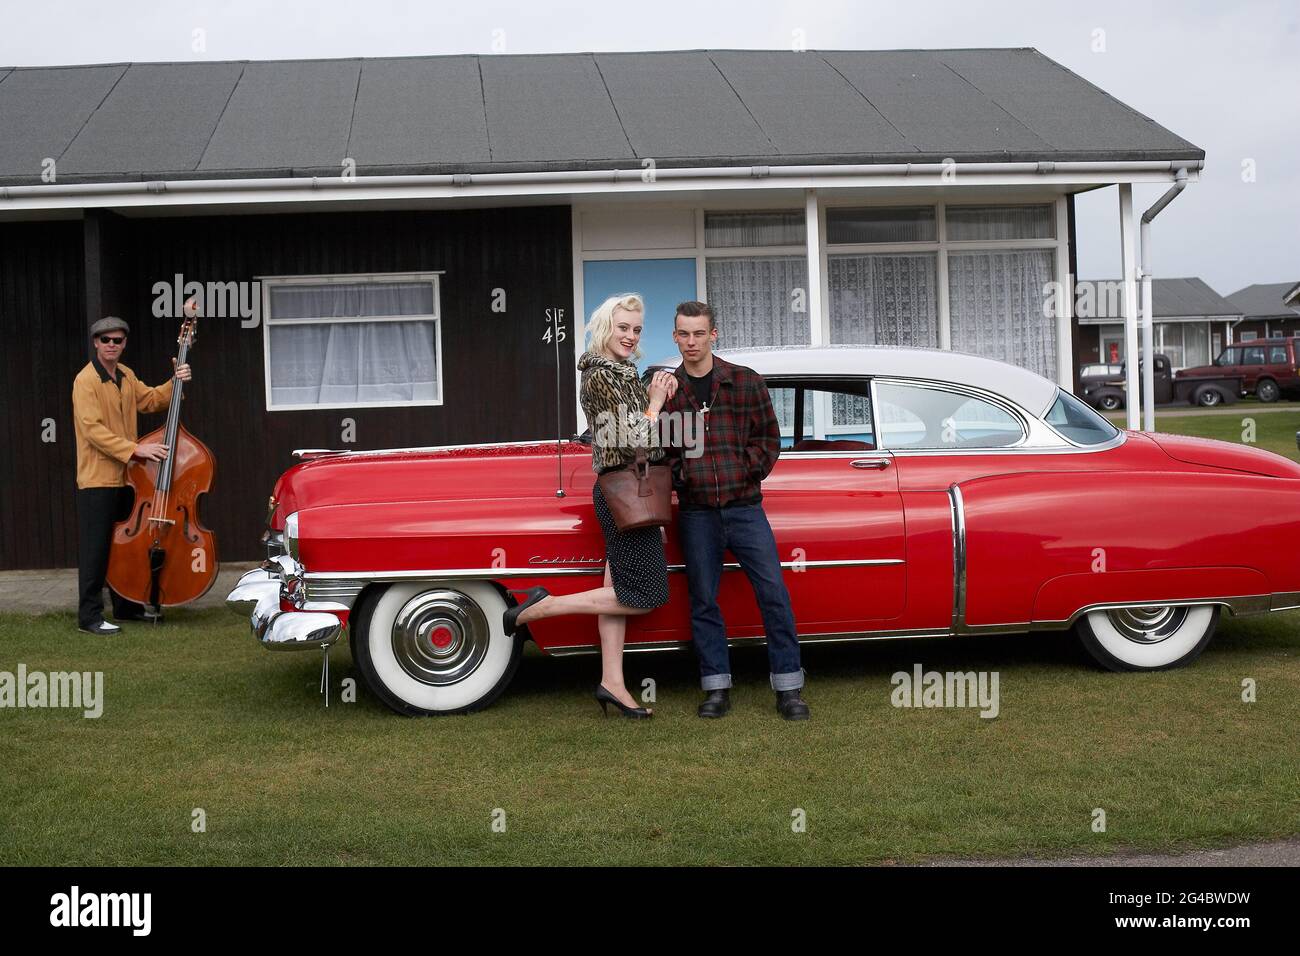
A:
{"points": [[1268, 367]]}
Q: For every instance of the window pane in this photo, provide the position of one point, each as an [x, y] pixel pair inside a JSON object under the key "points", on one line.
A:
{"points": [[1196, 345], [903, 224], [883, 300], [999, 222], [783, 404], [351, 300], [915, 417], [353, 363], [759, 301], [999, 307], [1077, 421], [781, 228], [1277, 353]]}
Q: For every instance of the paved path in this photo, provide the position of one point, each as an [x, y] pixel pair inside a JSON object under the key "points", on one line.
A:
{"points": [[37, 592], [1275, 853]]}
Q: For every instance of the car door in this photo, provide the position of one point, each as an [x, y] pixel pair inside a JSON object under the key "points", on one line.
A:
{"points": [[835, 509]]}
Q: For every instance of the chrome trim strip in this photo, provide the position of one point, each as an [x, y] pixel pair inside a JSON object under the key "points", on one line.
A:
{"points": [[958, 558], [1239, 605], [344, 588], [842, 637]]}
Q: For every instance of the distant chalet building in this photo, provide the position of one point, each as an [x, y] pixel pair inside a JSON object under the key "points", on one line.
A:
{"points": [[389, 248], [1191, 323], [1266, 310]]}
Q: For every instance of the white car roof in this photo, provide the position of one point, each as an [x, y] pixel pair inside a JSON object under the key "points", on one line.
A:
{"points": [[1027, 389]]}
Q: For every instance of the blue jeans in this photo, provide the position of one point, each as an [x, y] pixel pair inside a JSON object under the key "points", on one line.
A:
{"points": [[706, 534]]}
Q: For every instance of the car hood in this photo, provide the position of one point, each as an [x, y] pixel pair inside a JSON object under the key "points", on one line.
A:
{"points": [[1223, 454]]}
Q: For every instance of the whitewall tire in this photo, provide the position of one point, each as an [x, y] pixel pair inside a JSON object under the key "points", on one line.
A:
{"points": [[1147, 638], [427, 648]]}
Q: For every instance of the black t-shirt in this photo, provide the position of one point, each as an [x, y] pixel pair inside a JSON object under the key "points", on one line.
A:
{"points": [[702, 386]]}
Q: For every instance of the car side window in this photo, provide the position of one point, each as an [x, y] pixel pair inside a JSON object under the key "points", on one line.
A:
{"points": [[914, 416], [836, 414], [1277, 355], [1253, 355], [1228, 357]]}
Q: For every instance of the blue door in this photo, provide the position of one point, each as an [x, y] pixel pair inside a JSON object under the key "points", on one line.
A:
{"points": [[662, 283]]}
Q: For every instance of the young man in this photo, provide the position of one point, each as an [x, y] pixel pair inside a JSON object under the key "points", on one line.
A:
{"points": [[720, 508], [106, 396]]}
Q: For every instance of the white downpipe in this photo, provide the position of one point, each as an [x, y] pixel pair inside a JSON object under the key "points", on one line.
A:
{"points": [[1128, 254], [1148, 327]]}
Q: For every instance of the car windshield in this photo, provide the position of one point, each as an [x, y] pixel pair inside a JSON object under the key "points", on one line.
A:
{"points": [[1078, 421]]}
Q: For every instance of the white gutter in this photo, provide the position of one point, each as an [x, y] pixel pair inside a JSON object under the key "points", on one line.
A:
{"points": [[338, 188], [1148, 330]]}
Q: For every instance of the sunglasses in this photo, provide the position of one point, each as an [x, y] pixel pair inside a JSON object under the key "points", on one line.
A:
{"points": [[112, 339]]}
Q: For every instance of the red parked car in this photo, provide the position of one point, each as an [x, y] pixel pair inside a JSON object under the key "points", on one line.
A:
{"points": [[1270, 368], [921, 493]]}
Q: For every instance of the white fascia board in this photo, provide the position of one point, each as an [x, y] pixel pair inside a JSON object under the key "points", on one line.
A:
{"points": [[333, 189]]}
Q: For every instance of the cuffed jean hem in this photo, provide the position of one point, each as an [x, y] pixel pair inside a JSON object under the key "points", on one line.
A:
{"points": [[715, 681], [790, 681]]}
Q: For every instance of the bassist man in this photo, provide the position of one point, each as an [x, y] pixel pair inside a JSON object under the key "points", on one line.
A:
{"points": [[106, 397]]}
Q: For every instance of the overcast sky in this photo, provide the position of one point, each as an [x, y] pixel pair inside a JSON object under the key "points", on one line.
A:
{"points": [[1224, 75]]}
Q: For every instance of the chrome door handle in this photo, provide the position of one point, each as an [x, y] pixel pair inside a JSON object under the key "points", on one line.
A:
{"points": [[877, 463]]}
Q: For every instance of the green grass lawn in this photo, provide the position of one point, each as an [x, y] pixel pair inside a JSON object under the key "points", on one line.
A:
{"points": [[198, 716]]}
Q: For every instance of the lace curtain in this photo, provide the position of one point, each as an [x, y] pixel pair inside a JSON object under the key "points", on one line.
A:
{"points": [[353, 363], [755, 300], [997, 305], [883, 300]]}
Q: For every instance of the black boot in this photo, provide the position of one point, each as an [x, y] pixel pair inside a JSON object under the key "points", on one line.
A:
{"points": [[717, 703], [791, 706]]}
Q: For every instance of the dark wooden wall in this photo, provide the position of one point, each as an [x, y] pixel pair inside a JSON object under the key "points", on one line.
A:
{"points": [[43, 337], [498, 376]]}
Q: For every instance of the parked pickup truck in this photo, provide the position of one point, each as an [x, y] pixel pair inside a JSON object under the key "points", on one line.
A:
{"points": [[1102, 386]]}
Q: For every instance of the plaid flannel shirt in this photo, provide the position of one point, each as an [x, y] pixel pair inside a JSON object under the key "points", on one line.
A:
{"points": [[741, 437]]}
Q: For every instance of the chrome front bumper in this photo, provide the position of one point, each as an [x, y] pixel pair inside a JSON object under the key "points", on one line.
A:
{"points": [[258, 596]]}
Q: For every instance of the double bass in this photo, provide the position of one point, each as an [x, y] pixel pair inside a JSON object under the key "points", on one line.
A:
{"points": [[162, 555]]}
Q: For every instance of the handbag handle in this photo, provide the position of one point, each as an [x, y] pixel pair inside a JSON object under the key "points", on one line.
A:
{"points": [[641, 467]]}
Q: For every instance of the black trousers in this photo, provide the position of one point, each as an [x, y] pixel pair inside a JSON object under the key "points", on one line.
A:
{"points": [[98, 509]]}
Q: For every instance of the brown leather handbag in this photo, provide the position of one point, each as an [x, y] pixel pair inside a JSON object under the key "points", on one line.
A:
{"points": [[640, 495]]}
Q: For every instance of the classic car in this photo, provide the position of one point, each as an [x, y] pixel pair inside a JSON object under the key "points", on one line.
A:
{"points": [[920, 493]]}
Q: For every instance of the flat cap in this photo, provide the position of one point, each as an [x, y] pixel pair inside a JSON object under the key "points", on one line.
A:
{"points": [[107, 324]]}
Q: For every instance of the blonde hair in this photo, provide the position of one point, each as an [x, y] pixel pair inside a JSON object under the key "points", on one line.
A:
{"points": [[601, 326]]}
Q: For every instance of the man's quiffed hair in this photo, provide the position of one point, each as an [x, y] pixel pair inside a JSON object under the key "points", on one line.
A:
{"points": [[692, 309]]}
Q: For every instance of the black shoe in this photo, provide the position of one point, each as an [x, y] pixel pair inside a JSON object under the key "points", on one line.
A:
{"points": [[101, 628], [147, 615], [791, 706], [533, 595], [716, 704], [604, 698]]}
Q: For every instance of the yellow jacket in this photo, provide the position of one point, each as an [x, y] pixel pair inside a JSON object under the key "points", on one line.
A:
{"points": [[104, 418]]}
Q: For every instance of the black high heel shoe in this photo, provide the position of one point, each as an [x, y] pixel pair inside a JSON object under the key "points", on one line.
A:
{"points": [[604, 698], [511, 615]]}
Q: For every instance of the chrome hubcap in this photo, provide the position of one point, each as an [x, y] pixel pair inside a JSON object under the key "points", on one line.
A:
{"points": [[440, 637], [1147, 625]]}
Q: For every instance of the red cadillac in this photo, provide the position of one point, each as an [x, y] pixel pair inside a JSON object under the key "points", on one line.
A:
{"points": [[920, 493]]}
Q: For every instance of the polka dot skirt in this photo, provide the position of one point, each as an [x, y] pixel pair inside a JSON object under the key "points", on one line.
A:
{"points": [[636, 559]]}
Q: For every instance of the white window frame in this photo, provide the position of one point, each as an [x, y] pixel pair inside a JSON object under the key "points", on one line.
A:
{"points": [[272, 282], [817, 250]]}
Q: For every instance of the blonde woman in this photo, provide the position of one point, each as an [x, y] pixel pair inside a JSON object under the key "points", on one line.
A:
{"points": [[622, 413]]}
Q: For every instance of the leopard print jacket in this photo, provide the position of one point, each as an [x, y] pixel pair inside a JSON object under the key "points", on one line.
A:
{"points": [[614, 400]]}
